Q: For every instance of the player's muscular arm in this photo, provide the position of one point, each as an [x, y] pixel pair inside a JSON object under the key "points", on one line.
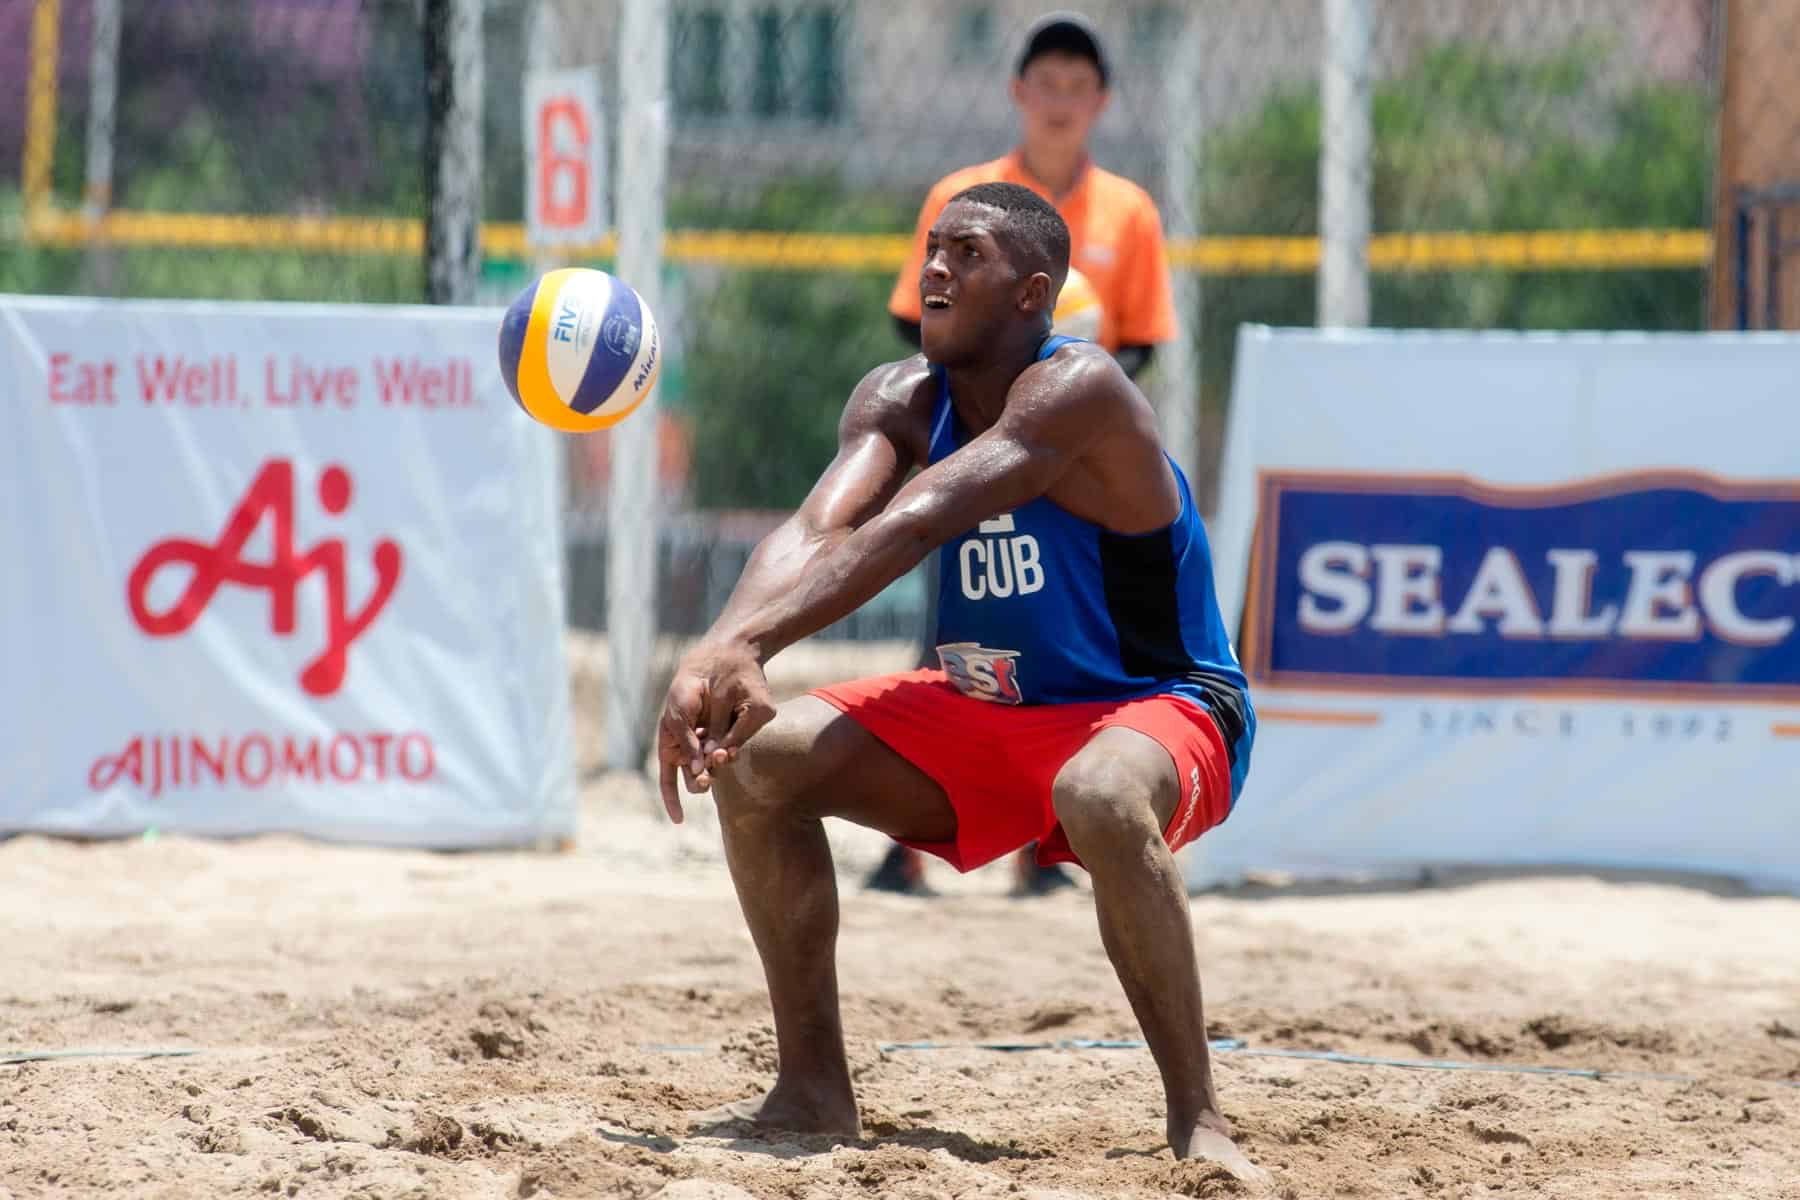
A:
{"points": [[832, 562], [875, 451], [1056, 412], [718, 683]]}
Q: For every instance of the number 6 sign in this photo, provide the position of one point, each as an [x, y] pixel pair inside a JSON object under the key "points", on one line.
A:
{"points": [[565, 147]]}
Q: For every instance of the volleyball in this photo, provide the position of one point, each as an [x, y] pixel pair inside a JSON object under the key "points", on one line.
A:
{"points": [[1078, 310], [579, 349]]}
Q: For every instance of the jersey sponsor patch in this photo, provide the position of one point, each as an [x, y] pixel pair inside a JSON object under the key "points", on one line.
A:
{"points": [[981, 673]]}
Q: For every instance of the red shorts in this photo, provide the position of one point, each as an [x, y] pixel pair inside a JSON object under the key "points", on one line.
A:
{"points": [[997, 762]]}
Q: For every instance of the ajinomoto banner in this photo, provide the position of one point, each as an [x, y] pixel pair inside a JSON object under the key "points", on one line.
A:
{"points": [[1515, 599], [276, 568]]}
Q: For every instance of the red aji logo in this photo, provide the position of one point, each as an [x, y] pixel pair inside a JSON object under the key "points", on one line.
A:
{"points": [[272, 491]]}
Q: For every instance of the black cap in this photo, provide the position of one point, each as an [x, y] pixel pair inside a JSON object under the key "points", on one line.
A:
{"points": [[1068, 32]]}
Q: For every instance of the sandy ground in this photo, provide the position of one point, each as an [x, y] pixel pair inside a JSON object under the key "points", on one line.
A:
{"points": [[374, 1023], [378, 1023]]}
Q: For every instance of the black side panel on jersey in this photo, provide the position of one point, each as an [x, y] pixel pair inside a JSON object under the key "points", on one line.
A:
{"points": [[1138, 575]]}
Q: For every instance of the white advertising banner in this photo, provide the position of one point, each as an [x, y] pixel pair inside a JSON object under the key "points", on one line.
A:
{"points": [[1515, 599], [276, 568]]}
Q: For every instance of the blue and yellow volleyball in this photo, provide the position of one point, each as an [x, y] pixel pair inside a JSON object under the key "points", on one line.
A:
{"points": [[1079, 312], [579, 349]]}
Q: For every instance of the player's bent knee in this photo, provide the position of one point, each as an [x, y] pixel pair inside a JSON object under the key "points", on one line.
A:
{"points": [[756, 781], [773, 769], [1104, 796]]}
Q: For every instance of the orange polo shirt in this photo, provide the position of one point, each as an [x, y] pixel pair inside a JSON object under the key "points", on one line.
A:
{"points": [[1115, 239]]}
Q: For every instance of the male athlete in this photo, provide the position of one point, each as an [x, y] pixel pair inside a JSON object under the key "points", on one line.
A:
{"points": [[1088, 698], [1060, 85]]}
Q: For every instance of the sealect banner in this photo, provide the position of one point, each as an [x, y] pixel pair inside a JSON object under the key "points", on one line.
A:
{"points": [[276, 568], [1515, 599]]}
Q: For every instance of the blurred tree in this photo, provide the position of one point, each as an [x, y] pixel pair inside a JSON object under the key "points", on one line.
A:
{"points": [[772, 355], [313, 122], [1469, 139]]}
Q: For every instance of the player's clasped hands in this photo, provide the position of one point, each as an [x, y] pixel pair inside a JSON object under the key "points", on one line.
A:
{"points": [[716, 701]]}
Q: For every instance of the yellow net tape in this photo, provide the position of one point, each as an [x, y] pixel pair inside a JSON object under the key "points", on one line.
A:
{"points": [[1558, 250]]}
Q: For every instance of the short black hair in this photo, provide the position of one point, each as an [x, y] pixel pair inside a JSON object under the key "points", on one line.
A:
{"points": [[1033, 234], [1063, 33]]}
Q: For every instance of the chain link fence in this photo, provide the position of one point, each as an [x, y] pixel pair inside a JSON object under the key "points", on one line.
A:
{"points": [[1542, 164]]}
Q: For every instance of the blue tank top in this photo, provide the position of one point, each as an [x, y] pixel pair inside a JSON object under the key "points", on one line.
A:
{"points": [[1038, 606]]}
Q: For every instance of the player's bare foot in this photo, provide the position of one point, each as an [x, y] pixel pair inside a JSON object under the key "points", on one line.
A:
{"points": [[1209, 1139], [785, 1109]]}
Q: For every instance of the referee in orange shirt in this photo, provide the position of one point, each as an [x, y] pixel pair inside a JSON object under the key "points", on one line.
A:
{"points": [[1059, 87]]}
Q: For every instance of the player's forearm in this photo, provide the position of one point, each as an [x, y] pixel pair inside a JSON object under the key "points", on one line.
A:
{"points": [[833, 582], [774, 569]]}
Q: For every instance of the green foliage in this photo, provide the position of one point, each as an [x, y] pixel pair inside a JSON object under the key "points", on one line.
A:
{"points": [[817, 203], [270, 275], [771, 359], [26, 268], [195, 135], [773, 355], [1470, 139], [200, 165], [297, 133]]}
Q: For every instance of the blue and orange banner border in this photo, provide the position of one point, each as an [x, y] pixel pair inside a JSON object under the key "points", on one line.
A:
{"points": [[1256, 641]]}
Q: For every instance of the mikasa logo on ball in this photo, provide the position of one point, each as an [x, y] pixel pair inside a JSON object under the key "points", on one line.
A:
{"points": [[649, 367]]}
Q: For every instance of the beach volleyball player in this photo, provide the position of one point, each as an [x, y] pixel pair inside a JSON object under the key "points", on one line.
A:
{"points": [[1087, 696]]}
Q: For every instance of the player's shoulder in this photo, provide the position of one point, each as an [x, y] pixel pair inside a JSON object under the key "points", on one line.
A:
{"points": [[1078, 374], [901, 388], [1079, 359]]}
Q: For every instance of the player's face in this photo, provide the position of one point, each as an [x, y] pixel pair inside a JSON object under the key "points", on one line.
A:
{"points": [[1059, 98], [968, 287]]}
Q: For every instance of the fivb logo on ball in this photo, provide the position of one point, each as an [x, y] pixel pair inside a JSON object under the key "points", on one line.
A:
{"points": [[579, 350]]}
